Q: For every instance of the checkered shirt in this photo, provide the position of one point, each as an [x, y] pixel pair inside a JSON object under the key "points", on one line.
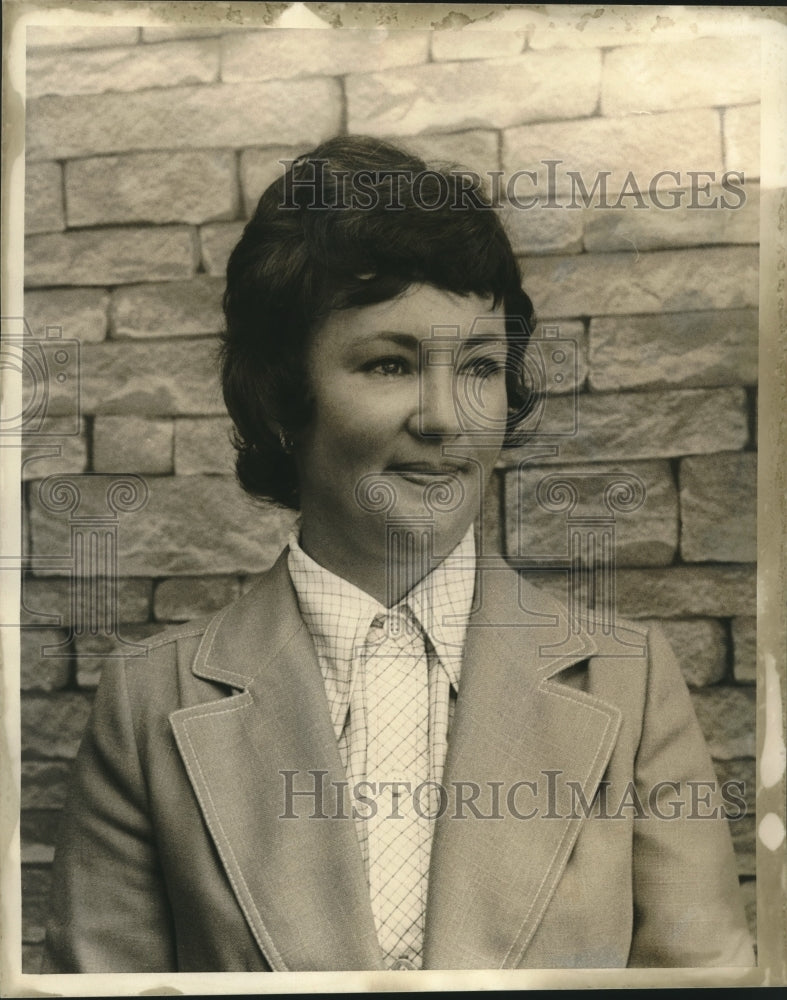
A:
{"points": [[339, 616]]}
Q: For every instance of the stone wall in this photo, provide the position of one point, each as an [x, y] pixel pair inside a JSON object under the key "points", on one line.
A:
{"points": [[146, 150]]}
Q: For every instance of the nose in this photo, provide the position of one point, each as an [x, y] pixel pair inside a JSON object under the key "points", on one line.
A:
{"points": [[437, 405]]}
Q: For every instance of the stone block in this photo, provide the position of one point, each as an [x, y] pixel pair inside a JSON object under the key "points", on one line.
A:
{"points": [[110, 256], [718, 215], [37, 854], [119, 68], [152, 379], [259, 168], [292, 52], [476, 149], [203, 445], [744, 842], [80, 313], [700, 645], [55, 448], [726, 716], [703, 72], [469, 43], [38, 833], [93, 652], [213, 116], [217, 242], [36, 881], [495, 93], [744, 645], [637, 425], [44, 784], [132, 444], [168, 309], [742, 771], [53, 726], [43, 198], [632, 150], [190, 525], [73, 36], [647, 536], [718, 506], [190, 186], [44, 659], [711, 348], [182, 598], [614, 284], [687, 591], [47, 600], [742, 140], [542, 230]]}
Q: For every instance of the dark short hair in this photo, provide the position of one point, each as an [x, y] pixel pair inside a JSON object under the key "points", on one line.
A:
{"points": [[310, 249]]}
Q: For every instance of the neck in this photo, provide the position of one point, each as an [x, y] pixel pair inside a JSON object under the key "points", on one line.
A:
{"points": [[386, 571]]}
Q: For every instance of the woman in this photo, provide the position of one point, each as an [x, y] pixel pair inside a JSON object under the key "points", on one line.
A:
{"points": [[389, 753]]}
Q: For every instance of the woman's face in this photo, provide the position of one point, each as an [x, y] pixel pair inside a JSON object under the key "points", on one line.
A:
{"points": [[409, 396]]}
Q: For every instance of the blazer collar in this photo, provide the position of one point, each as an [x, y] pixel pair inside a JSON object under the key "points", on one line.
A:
{"points": [[301, 882]]}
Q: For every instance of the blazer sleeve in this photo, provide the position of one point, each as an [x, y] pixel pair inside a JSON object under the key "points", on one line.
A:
{"points": [[688, 910], [109, 908]]}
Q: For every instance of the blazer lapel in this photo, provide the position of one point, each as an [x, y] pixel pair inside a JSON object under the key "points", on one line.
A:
{"points": [[491, 879], [293, 860]]}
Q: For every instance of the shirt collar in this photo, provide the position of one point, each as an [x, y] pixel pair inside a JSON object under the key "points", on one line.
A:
{"points": [[441, 602], [338, 615]]}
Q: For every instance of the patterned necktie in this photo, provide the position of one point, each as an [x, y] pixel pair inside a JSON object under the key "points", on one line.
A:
{"points": [[399, 839]]}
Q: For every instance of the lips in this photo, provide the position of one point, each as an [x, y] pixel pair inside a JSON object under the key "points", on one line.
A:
{"points": [[423, 473]]}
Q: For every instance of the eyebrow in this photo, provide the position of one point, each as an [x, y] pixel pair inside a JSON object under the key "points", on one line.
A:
{"points": [[411, 340], [481, 339], [395, 336]]}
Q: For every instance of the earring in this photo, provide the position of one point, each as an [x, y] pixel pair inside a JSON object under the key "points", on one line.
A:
{"points": [[285, 441]]}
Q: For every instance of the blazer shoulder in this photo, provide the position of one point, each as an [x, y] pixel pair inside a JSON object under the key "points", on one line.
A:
{"points": [[180, 633], [596, 622], [217, 654], [169, 643], [160, 674]]}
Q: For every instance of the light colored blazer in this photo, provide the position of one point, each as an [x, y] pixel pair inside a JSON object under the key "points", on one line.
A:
{"points": [[174, 855]]}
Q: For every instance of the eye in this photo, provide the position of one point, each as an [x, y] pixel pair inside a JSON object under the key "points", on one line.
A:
{"points": [[483, 367], [388, 367]]}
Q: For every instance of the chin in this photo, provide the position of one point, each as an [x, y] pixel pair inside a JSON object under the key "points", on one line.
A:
{"points": [[430, 514], [436, 534]]}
